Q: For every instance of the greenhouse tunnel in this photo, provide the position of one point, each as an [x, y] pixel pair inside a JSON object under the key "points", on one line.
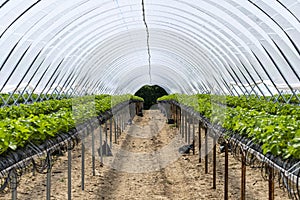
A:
{"points": [[115, 47], [59, 50]]}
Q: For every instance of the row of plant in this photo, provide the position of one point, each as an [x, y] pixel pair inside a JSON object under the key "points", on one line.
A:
{"points": [[252, 102], [36, 108], [277, 132], [12, 99], [18, 129], [248, 102]]}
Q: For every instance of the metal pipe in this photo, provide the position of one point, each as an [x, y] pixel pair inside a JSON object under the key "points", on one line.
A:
{"points": [[14, 69]]}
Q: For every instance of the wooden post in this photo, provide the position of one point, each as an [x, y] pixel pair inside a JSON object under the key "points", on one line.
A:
{"points": [[110, 132], [116, 129], [48, 182], [93, 150], [182, 124], [189, 130], [185, 126], [69, 170], [243, 178], [199, 140], [214, 163], [206, 151], [226, 173], [106, 138], [271, 183], [14, 184], [176, 116], [82, 162], [194, 136]]}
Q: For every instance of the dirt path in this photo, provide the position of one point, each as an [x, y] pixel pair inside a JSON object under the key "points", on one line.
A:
{"points": [[145, 165]]}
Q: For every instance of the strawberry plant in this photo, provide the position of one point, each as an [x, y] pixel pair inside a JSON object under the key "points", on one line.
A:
{"points": [[39, 121], [274, 126]]}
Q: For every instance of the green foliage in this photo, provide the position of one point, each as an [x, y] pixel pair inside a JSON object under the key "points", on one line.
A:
{"points": [[25, 110], [263, 105], [274, 126], [39, 121], [150, 94]]}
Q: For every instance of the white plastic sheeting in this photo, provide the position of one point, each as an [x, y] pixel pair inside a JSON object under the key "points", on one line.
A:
{"points": [[117, 46]]}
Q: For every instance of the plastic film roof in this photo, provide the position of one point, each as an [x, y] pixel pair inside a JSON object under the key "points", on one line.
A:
{"points": [[117, 46]]}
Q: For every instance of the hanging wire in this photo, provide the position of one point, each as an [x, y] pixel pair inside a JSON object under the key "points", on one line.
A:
{"points": [[148, 43]]}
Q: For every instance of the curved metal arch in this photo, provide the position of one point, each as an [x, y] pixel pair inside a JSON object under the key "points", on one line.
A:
{"points": [[243, 30], [120, 50], [269, 47], [125, 46]]}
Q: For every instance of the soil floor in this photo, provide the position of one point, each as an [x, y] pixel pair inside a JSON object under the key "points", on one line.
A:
{"points": [[145, 165]]}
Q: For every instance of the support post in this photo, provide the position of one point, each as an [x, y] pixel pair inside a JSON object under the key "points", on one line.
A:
{"points": [[206, 151], [271, 183], [199, 140], [179, 118], [82, 162], [226, 173], [193, 136], [69, 171], [115, 127], [100, 146], [176, 116], [110, 132], [189, 131], [48, 184], [106, 138], [214, 163], [14, 184], [93, 151], [185, 126], [243, 178], [182, 124]]}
